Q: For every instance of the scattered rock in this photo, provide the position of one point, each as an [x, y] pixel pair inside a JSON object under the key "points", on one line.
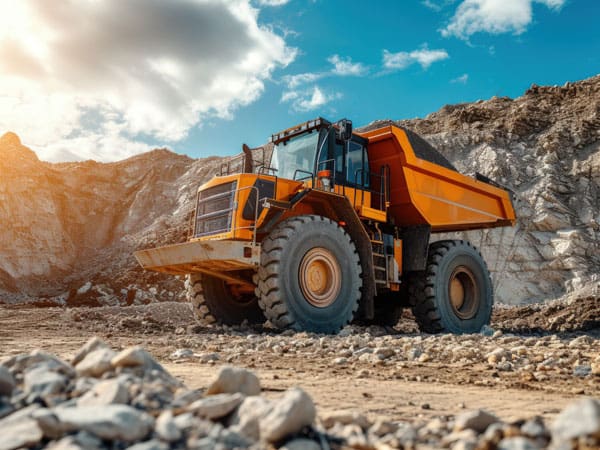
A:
{"points": [[112, 422], [518, 443], [94, 343], [166, 428], [83, 412], [96, 362], [19, 433], [578, 420], [133, 357], [182, 353], [7, 381], [301, 444], [42, 382], [216, 406], [477, 420], [293, 411], [345, 418], [106, 392], [233, 379]]}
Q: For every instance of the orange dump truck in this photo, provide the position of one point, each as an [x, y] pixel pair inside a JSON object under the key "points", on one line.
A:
{"points": [[336, 227]]}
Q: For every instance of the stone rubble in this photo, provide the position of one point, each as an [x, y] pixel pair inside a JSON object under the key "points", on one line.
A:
{"points": [[134, 404]]}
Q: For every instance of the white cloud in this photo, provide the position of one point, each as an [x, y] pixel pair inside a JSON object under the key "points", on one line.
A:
{"points": [[273, 2], [431, 5], [293, 81], [463, 79], [345, 66], [304, 98], [342, 66], [494, 16], [98, 79], [423, 56], [309, 99], [437, 5]]}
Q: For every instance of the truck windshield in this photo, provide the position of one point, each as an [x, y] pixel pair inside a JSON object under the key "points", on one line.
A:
{"points": [[296, 157]]}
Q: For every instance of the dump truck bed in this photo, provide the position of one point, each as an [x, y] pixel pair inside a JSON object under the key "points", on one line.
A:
{"points": [[425, 189]]}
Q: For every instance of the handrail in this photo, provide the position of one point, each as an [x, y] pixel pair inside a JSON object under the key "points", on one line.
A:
{"points": [[235, 215], [260, 170], [382, 192]]}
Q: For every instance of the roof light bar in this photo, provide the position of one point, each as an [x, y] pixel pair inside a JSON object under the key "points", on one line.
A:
{"points": [[297, 129]]}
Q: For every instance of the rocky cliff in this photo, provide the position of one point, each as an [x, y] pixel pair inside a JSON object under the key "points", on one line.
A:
{"points": [[67, 231]]}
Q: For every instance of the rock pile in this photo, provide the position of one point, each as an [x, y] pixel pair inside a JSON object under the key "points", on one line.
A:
{"points": [[106, 399]]}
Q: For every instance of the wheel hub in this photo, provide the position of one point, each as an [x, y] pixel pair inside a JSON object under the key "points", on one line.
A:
{"points": [[320, 277], [463, 294]]}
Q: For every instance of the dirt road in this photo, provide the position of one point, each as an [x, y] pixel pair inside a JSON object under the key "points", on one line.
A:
{"points": [[395, 373]]}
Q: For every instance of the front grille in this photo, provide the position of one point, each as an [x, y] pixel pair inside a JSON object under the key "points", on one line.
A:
{"points": [[215, 209]]}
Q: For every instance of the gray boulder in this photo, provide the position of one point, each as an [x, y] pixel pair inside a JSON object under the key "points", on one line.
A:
{"points": [[216, 406], [235, 379], [7, 381], [577, 420], [289, 415], [96, 363], [105, 392], [110, 422]]}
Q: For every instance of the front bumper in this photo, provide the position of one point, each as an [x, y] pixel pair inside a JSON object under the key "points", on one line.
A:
{"points": [[200, 256]]}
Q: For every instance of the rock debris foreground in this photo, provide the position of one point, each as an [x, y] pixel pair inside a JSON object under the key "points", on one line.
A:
{"points": [[126, 400]]}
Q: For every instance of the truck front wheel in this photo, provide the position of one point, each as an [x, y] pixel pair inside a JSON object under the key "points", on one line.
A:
{"points": [[310, 275], [454, 294], [214, 301]]}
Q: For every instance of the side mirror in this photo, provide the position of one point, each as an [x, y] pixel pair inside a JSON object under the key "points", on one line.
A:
{"points": [[345, 127]]}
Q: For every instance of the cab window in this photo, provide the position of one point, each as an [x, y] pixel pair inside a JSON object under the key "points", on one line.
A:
{"points": [[357, 165]]}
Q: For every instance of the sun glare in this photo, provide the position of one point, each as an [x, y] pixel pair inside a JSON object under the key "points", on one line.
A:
{"points": [[20, 27]]}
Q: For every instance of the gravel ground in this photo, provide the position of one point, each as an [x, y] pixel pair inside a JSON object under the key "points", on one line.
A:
{"points": [[382, 386]]}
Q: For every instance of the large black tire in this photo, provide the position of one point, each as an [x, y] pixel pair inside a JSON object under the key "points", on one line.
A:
{"points": [[310, 275], [454, 294], [213, 302]]}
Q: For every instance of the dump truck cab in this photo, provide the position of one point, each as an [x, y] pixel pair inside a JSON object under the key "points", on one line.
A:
{"points": [[332, 226]]}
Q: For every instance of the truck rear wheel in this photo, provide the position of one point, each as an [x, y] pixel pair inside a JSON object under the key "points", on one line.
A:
{"points": [[310, 275], [454, 294], [214, 301]]}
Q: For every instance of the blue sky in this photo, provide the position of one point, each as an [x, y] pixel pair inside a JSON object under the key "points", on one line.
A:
{"points": [[107, 79], [559, 45]]}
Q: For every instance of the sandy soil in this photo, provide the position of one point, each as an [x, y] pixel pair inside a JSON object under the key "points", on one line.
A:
{"points": [[399, 390]]}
